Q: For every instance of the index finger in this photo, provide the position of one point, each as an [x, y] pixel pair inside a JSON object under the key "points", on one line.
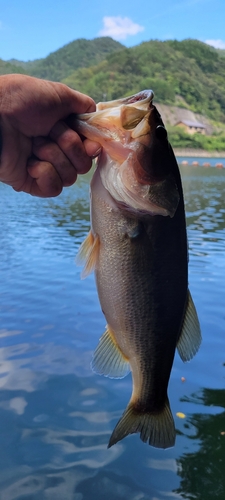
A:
{"points": [[72, 146]]}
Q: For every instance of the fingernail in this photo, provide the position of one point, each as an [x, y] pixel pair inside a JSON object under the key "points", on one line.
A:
{"points": [[96, 153]]}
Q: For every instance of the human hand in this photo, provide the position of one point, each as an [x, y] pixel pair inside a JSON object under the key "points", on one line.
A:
{"points": [[40, 153]]}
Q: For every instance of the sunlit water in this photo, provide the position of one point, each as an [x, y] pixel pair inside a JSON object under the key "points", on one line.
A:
{"points": [[56, 416]]}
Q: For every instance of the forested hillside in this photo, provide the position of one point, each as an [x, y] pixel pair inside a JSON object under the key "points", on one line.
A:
{"points": [[78, 54], [186, 75], [7, 67], [189, 74]]}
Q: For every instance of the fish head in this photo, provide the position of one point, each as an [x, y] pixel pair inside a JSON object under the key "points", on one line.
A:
{"points": [[137, 165]]}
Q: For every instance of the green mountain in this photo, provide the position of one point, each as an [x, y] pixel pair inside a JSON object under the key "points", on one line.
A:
{"points": [[26, 65], [7, 67], [78, 54], [189, 74]]}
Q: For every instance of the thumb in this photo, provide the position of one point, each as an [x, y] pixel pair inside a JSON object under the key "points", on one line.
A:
{"points": [[73, 101]]}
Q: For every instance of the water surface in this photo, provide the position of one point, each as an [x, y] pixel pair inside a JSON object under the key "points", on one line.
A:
{"points": [[56, 416]]}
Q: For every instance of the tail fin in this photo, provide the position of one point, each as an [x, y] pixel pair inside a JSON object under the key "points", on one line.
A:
{"points": [[156, 428]]}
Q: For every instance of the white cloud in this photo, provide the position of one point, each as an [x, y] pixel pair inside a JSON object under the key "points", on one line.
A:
{"points": [[119, 27], [218, 44]]}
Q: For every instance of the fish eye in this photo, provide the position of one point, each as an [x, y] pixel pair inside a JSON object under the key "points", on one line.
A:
{"points": [[161, 132]]}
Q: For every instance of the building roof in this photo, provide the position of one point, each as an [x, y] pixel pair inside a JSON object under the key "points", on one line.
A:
{"points": [[189, 123]]}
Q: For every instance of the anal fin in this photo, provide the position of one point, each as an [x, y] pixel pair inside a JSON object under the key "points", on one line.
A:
{"points": [[190, 337], [88, 254], [108, 359]]}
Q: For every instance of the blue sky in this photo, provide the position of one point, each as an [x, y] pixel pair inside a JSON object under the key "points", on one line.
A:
{"points": [[31, 30]]}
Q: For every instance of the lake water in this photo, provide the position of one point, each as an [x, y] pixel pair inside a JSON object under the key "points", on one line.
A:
{"points": [[56, 416]]}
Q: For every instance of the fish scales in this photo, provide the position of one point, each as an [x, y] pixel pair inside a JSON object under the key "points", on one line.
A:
{"points": [[129, 285], [138, 248]]}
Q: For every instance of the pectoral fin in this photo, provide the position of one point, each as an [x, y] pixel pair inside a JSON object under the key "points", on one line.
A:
{"points": [[190, 338], [108, 359], [88, 254]]}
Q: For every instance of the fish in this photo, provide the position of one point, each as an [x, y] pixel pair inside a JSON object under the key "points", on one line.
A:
{"points": [[137, 246]]}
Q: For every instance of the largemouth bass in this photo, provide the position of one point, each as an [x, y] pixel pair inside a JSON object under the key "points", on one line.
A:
{"points": [[138, 248]]}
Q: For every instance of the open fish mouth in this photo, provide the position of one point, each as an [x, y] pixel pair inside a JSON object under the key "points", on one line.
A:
{"points": [[136, 156], [142, 98], [112, 116]]}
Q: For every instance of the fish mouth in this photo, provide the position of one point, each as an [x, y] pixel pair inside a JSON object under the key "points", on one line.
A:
{"points": [[133, 164], [116, 120], [141, 100]]}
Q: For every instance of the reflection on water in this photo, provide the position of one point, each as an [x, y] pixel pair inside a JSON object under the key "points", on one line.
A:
{"points": [[56, 416], [202, 472]]}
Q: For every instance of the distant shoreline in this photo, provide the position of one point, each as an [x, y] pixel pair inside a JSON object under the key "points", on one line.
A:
{"points": [[200, 153]]}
